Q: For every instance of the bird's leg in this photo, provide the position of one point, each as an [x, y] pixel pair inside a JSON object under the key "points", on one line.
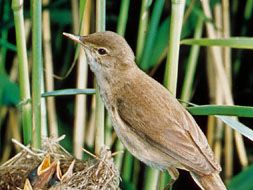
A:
{"points": [[174, 174]]}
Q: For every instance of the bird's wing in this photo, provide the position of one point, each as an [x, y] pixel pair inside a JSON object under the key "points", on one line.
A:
{"points": [[160, 119]]}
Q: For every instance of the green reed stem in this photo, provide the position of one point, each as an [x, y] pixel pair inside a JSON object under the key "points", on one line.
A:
{"points": [[143, 24], [36, 72], [164, 180], [123, 16], [171, 70], [17, 7], [100, 112], [151, 178], [119, 158], [128, 167], [191, 65]]}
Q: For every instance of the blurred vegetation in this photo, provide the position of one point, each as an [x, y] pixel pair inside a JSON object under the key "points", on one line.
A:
{"points": [[213, 74]]}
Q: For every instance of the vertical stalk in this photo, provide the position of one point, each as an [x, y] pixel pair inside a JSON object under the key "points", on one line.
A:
{"points": [[151, 179], [17, 6], [100, 26], [226, 56], [143, 23], [171, 70], [191, 65], [108, 132], [164, 178], [119, 158], [123, 16], [91, 127], [75, 16], [226, 90], [44, 129], [127, 167], [136, 171], [216, 54], [82, 72], [226, 34], [49, 81], [121, 28], [36, 72], [216, 91]]}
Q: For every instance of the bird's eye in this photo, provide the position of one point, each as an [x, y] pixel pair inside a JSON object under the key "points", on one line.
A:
{"points": [[102, 51]]}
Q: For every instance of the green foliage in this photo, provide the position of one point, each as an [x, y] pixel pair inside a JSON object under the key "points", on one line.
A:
{"points": [[189, 26], [151, 34], [243, 180], [9, 92], [160, 44], [220, 111], [8, 45], [127, 185], [61, 16], [67, 131]]}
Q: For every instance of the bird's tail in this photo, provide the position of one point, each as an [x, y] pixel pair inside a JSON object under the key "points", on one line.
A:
{"points": [[209, 182]]}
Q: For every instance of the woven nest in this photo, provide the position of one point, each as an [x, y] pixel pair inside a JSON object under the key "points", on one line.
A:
{"points": [[96, 173]]}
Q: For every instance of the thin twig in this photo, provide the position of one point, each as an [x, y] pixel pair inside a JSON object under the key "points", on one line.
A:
{"points": [[26, 148]]}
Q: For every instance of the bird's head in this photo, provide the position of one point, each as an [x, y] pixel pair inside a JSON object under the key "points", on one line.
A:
{"points": [[107, 52]]}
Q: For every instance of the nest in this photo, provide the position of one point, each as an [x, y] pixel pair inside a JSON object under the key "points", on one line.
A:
{"points": [[98, 172]]}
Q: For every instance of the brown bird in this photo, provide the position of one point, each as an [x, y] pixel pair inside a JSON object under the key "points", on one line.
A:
{"points": [[148, 120]]}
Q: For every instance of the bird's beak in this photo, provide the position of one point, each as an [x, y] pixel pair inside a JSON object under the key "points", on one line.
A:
{"points": [[73, 37]]}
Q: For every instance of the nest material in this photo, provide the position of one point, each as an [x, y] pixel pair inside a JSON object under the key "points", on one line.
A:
{"points": [[96, 173]]}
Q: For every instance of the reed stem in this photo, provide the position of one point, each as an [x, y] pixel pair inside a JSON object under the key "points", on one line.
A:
{"points": [[100, 112], [151, 178], [82, 76], [49, 80], [36, 72], [191, 65], [123, 16], [226, 90], [143, 24], [171, 70], [17, 6]]}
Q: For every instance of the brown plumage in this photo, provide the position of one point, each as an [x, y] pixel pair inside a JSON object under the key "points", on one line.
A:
{"points": [[148, 120]]}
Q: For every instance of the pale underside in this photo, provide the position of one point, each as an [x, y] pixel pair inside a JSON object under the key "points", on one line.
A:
{"points": [[157, 129]]}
